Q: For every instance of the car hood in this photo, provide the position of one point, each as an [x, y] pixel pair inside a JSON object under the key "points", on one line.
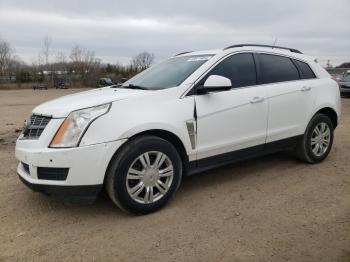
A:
{"points": [[61, 107]]}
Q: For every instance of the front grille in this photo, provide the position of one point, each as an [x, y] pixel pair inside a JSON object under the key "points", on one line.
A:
{"points": [[35, 126], [342, 86], [52, 173]]}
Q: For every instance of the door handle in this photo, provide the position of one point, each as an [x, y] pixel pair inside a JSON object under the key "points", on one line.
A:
{"points": [[305, 88], [256, 100]]}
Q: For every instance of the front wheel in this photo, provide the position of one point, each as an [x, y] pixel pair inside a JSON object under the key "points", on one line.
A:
{"points": [[144, 175], [317, 140]]}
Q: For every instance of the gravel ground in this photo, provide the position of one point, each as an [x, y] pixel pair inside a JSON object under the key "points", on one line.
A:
{"points": [[272, 208]]}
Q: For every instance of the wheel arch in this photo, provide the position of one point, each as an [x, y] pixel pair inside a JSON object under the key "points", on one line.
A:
{"points": [[164, 134], [171, 138], [331, 113]]}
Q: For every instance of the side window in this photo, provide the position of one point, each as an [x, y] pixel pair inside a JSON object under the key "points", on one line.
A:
{"points": [[305, 69], [240, 69], [277, 69]]}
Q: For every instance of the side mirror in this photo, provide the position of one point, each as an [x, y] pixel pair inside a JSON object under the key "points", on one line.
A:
{"points": [[215, 83]]}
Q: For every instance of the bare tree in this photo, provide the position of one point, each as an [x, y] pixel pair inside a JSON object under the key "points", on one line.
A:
{"points": [[15, 65], [60, 62], [40, 60], [84, 62], [61, 57], [143, 60], [5, 56], [46, 48]]}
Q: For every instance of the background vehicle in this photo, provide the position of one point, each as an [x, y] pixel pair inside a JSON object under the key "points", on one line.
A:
{"points": [[337, 77], [345, 85], [192, 112], [60, 83], [102, 82], [40, 86]]}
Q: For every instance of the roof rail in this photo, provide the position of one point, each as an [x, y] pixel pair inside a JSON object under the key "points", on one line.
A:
{"points": [[183, 53], [279, 47]]}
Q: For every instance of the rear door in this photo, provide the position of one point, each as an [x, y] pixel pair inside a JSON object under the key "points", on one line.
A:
{"points": [[236, 119], [290, 97]]}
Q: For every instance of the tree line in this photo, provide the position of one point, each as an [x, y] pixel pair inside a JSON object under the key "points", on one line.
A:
{"points": [[80, 66]]}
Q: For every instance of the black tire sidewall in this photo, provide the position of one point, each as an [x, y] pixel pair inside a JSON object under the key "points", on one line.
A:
{"points": [[319, 118], [139, 147]]}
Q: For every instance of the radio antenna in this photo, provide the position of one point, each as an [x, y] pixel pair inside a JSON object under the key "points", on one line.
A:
{"points": [[274, 42]]}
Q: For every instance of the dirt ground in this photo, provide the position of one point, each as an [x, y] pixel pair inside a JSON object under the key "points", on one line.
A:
{"points": [[269, 209]]}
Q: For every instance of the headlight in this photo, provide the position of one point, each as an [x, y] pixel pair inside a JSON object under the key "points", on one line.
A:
{"points": [[74, 126]]}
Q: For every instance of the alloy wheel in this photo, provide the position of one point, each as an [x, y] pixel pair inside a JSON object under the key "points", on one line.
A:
{"points": [[320, 139], [149, 177]]}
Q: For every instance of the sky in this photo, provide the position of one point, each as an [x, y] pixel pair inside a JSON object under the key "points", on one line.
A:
{"points": [[118, 30]]}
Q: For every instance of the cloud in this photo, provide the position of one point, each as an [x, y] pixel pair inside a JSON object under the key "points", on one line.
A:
{"points": [[117, 30]]}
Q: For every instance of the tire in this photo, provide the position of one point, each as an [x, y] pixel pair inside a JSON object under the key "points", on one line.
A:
{"points": [[307, 149], [131, 169]]}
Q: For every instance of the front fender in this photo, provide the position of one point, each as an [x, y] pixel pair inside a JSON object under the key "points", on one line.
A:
{"points": [[127, 119]]}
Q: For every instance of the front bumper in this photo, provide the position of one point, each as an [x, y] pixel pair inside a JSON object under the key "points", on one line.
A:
{"points": [[68, 194], [87, 167]]}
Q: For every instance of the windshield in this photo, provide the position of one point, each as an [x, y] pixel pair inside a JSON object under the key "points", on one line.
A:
{"points": [[169, 73], [346, 78]]}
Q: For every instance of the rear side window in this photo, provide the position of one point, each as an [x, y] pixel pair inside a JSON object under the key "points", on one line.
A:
{"points": [[306, 71], [240, 69], [277, 69]]}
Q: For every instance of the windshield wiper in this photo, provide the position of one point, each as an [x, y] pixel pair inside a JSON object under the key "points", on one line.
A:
{"points": [[131, 86], [115, 86]]}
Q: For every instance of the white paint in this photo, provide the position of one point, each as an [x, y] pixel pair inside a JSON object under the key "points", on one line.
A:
{"points": [[227, 121]]}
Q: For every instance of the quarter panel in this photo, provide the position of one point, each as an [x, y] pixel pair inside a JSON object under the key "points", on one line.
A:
{"points": [[327, 95]]}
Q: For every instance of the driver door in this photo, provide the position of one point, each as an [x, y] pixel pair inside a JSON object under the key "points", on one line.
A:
{"points": [[228, 121]]}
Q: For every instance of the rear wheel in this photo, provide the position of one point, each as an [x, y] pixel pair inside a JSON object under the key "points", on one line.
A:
{"points": [[144, 175], [317, 140]]}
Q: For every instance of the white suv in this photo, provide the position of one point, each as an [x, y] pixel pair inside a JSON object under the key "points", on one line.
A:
{"points": [[190, 113]]}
